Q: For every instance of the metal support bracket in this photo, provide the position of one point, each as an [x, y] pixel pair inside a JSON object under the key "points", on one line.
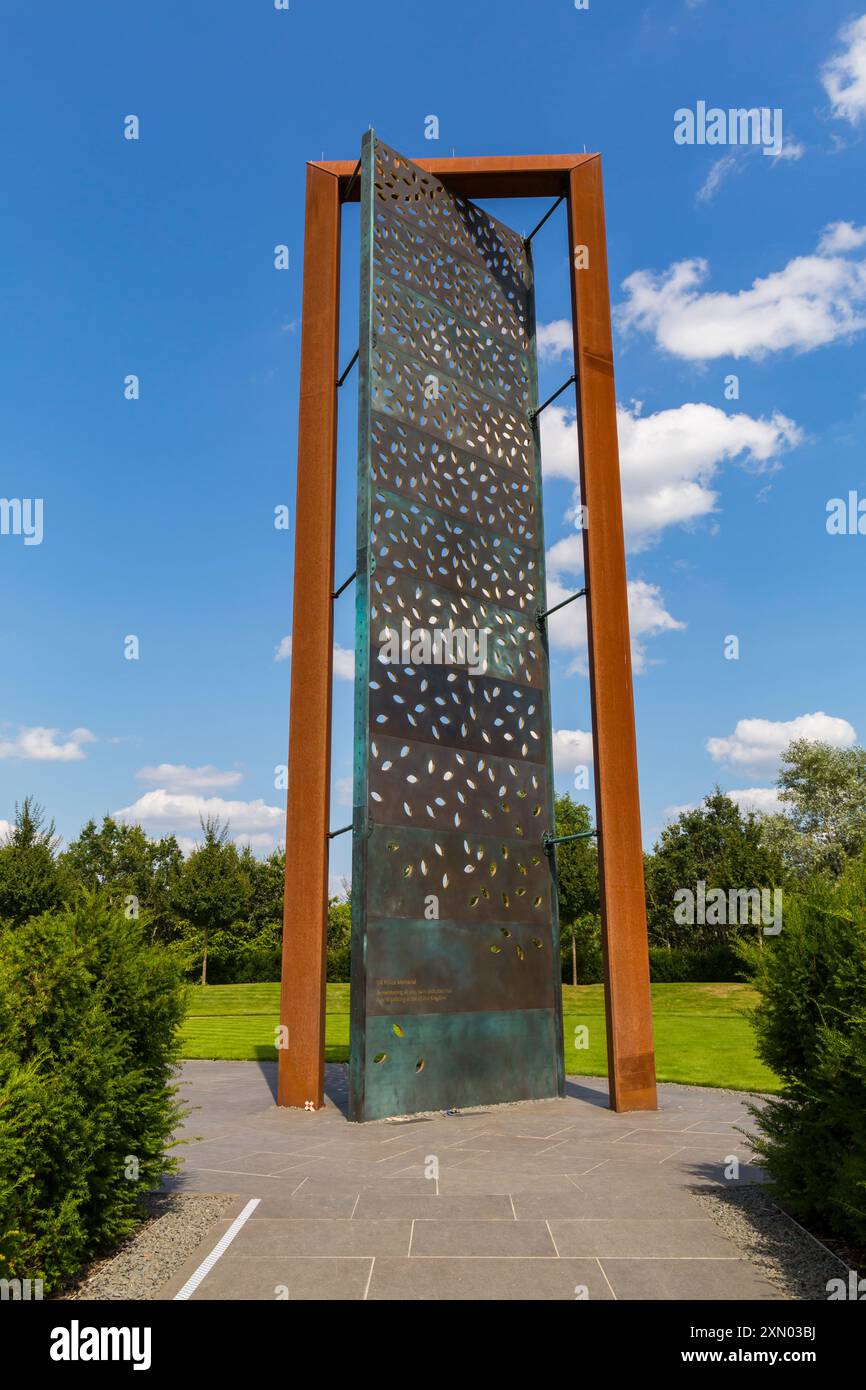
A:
{"points": [[332, 834], [542, 617], [550, 841], [549, 213], [345, 584], [351, 184], [352, 362], [534, 414]]}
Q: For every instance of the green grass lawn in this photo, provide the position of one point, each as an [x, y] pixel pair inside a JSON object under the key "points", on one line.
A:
{"points": [[702, 1034]]}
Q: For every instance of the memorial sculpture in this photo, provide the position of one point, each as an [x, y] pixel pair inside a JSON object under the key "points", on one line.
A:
{"points": [[455, 990]]}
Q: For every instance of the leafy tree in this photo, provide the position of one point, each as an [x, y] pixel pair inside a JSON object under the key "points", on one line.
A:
{"points": [[577, 863], [267, 879], [339, 939], [825, 789], [717, 844], [30, 878], [212, 890], [121, 861], [580, 944]]}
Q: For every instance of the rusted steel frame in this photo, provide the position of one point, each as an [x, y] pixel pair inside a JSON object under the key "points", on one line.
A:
{"points": [[496, 176], [301, 1068], [631, 1062], [629, 1019]]}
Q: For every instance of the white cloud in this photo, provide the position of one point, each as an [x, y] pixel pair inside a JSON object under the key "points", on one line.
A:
{"points": [[841, 237], [339, 886], [735, 162], [667, 462], [560, 455], [759, 743], [178, 777], [259, 844], [669, 459], [554, 340], [814, 300], [844, 75], [344, 658], [791, 149], [571, 748], [344, 789], [5, 830], [674, 812], [565, 556], [762, 799], [719, 171], [647, 618], [39, 744], [166, 811], [344, 663]]}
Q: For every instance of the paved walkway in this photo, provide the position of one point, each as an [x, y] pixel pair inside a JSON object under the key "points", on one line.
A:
{"points": [[546, 1200]]}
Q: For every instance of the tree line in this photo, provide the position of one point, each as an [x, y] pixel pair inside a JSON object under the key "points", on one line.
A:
{"points": [[219, 910]]}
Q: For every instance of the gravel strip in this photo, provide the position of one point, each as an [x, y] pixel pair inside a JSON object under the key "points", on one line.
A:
{"points": [[177, 1224], [785, 1253]]}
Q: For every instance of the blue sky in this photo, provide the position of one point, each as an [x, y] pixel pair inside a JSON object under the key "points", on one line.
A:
{"points": [[155, 257]]}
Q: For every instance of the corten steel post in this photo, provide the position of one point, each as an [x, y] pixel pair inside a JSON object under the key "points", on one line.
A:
{"points": [[631, 1059], [631, 1064], [301, 1067]]}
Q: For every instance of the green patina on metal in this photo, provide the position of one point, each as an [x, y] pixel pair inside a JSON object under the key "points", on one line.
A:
{"points": [[455, 996]]}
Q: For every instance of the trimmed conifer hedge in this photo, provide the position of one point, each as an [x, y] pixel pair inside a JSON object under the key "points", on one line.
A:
{"points": [[89, 1015], [811, 1030]]}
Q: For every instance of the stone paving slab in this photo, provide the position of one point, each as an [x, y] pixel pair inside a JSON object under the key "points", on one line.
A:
{"points": [[427, 1206], [285, 1277], [559, 1199], [481, 1238], [488, 1279], [324, 1236], [641, 1203], [640, 1238], [729, 1280]]}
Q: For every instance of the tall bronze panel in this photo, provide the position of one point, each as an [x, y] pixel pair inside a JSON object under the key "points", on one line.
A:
{"points": [[455, 944]]}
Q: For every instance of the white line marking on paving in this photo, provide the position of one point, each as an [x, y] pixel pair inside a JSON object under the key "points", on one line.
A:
{"points": [[233, 1172], [606, 1280], [550, 1233], [220, 1248]]}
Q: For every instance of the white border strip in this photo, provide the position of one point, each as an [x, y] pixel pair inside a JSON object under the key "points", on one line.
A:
{"points": [[220, 1248]]}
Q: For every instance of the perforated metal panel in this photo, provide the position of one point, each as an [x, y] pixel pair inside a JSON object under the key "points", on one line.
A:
{"points": [[455, 951]]}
